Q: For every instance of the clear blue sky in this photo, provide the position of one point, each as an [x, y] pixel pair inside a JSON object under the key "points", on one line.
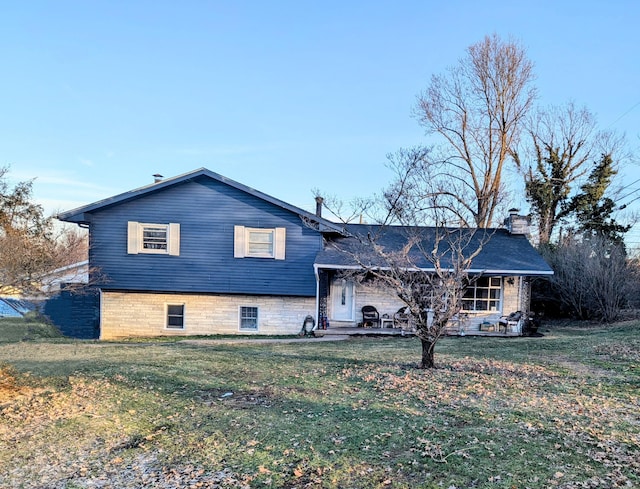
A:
{"points": [[284, 96]]}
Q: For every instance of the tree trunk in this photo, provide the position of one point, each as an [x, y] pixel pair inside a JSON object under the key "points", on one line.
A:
{"points": [[428, 348]]}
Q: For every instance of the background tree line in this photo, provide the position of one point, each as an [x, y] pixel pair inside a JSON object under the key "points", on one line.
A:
{"points": [[31, 244], [483, 121]]}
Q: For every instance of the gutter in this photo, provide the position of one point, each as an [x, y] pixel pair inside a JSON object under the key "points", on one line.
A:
{"points": [[483, 271]]}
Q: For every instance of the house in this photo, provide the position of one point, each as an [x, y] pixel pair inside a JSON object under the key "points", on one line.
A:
{"points": [[73, 274], [201, 254], [502, 272]]}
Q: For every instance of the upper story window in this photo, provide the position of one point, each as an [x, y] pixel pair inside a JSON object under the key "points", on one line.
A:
{"points": [[163, 239], [259, 242], [155, 237]]}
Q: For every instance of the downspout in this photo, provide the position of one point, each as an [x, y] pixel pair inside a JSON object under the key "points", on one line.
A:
{"points": [[101, 302], [317, 274]]}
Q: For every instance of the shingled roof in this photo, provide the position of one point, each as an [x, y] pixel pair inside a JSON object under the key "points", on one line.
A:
{"points": [[502, 253]]}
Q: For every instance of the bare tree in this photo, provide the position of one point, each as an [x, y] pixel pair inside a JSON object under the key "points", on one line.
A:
{"points": [[477, 107], [425, 266], [561, 148], [593, 276], [30, 248], [72, 245]]}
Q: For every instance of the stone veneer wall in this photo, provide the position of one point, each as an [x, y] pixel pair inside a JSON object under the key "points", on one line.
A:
{"points": [[128, 314], [384, 301], [511, 295], [387, 303]]}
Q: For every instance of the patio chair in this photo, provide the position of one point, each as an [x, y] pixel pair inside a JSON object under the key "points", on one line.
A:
{"points": [[401, 318], [370, 317], [512, 322]]}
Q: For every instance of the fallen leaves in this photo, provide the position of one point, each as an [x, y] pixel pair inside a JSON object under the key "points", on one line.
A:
{"points": [[499, 393], [353, 417]]}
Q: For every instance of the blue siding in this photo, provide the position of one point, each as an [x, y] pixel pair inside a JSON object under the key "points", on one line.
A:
{"points": [[207, 211], [76, 313]]}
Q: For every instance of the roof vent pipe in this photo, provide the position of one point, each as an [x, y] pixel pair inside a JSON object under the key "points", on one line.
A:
{"points": [[157, 178], [319, 202]]}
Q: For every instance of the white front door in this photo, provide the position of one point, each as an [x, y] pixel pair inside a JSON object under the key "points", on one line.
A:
{"points": [[342, 300]]}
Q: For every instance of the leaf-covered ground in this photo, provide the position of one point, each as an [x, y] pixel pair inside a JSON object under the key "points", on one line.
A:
{"points": [[558, 411]]}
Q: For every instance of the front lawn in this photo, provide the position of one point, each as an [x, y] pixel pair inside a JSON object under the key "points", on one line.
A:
{"points": [[557, 411]]}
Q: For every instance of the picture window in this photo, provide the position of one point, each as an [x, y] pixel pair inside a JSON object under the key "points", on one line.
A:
{"points": [[484, 294]]}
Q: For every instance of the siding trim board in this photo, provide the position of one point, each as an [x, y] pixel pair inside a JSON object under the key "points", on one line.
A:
{"points": [[187, 293]]}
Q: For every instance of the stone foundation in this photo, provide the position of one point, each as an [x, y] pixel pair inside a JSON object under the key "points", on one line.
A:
{"points": [[134, 314]]}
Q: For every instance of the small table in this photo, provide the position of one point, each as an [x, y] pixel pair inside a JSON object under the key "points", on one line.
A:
{"points": [[386, 322]]}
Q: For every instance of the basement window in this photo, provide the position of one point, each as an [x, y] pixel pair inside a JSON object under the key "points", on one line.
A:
{"points": [[175, 316], [248, 318]]}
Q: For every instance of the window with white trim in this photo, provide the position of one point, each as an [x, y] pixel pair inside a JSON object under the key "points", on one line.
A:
{"points": [[154, 237], [484, 294], [162, 239], [175, 316], [248, 318], [259, 242]]}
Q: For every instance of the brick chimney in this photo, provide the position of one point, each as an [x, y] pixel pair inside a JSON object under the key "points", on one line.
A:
{"points": [[319, 202], [517, 224]]}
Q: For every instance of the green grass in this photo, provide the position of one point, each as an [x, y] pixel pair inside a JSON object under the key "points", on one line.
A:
{"points": [[19, 329], [557, 411]]}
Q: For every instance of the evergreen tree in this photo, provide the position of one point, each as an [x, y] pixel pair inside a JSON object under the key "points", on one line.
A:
{"points": [[592, 209], [559, 151]]}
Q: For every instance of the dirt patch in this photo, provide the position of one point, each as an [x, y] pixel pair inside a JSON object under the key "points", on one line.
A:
{"points": [[629, 352]]}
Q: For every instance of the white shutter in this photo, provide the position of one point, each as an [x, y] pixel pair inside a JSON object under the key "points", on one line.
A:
{"points": [[174, 239], [239, 246], [281, 237], [133, 238]]}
